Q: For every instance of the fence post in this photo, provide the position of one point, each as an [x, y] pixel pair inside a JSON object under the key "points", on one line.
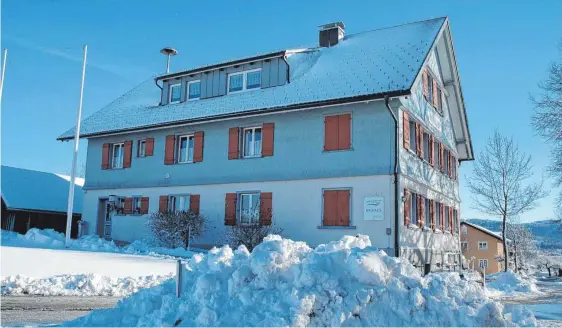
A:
{"points": [[178, 278], [484, 278]]}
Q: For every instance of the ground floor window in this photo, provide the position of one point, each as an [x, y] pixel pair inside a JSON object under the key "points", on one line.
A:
{"points": [[136, 205], [483, 263], [178, 203], [413, 208], [438, 218], [249, 208], [336, 207]]}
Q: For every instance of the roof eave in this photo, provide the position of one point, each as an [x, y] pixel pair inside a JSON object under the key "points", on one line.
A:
{"points": [[324, 103]]}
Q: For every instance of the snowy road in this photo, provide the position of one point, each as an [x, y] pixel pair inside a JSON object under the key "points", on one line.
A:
{"points": [[47, 310], [547, 307]]}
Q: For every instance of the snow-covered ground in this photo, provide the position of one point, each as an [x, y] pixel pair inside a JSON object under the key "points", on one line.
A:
{"points": [[283, 282], [510, 283], [50, 239]]}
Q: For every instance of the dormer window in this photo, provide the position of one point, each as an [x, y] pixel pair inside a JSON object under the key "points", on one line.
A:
{"points": [[175, 93], [193, 90], [243, 81]]}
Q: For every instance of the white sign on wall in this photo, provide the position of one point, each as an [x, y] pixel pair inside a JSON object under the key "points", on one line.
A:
{"points": [[373, 208]]}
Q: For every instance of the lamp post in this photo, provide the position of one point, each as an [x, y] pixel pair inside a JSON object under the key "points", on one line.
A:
{"points": [[168, 52]]}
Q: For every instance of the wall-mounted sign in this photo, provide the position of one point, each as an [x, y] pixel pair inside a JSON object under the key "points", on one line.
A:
{"points": [[373, 208]]}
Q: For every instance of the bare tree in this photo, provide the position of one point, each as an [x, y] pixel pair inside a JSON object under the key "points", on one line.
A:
{"points": [[250, 235], [523, 244], [175, 229], [499, 184], [547, 118]]}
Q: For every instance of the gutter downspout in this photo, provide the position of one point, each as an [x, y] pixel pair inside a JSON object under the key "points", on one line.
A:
{"points": [[161, 89], [288, 69], [396, 187]]}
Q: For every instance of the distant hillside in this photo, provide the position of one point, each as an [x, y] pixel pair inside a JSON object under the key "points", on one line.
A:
{"points": [[548, 233]]}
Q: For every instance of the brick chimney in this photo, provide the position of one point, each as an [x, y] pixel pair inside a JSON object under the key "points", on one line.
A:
{"points": [[331, 34]]}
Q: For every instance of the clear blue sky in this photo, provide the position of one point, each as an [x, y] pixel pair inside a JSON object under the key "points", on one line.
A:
{"points": [[503, 49]]}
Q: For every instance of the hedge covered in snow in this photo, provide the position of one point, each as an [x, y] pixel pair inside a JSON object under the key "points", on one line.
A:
{"points": [[283, 282]]}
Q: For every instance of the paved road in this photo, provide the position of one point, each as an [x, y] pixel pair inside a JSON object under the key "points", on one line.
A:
{"points": [[49, 310]]}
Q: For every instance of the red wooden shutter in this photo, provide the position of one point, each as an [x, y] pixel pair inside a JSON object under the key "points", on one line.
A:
{"points": [[441, 157], [331, 133], [267, 139], [435, 94], [198, 147], [406, 129], [425, 83], [407, 209], [128, 206], [330, 207], [343, 208], [230, 209], [169, 150], [431, 150], [421, 207], [442, 210], [344, 131], [233, 145], [105, 156], [144, 205], [451, 225], [149, 147], [127, 153], [417, 129], [450, 157], [421, 142], [163, 204], [194, 203], [266, 208], [432, 214]]}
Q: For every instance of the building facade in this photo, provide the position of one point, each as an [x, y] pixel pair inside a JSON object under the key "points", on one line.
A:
{"points": [[482, 248], [322, 142]]}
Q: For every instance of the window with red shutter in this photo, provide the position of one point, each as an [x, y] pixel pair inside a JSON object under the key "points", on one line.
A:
{"points": [[128, 152], [128, 206], [344, 131], [336, 208], [266, 208], [105, 156], [268, 130], [407, 209], [406, 129], [198, 147], [149, 147], [144, 205], [432, 214], [337, 132], [194, 201], [233, 143], [169, 150], [163, 204], [230, 209]]}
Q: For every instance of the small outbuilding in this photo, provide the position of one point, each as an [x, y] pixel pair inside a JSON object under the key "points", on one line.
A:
{"points": [[34, 199]]}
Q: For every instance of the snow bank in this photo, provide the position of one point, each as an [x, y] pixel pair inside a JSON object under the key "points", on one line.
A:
{"points": [[52, 239], [283, 282], [509, 283], [78, 285]]}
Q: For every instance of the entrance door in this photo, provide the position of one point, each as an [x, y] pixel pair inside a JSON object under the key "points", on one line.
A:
{"points": [[104, 219]]}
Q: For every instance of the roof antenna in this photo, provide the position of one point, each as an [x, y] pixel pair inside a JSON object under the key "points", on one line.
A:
{"points": [[168, 52]]}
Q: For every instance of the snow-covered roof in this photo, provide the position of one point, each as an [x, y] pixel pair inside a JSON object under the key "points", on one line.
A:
{"points": [[489, 232], [364, 66], [30, 190]]}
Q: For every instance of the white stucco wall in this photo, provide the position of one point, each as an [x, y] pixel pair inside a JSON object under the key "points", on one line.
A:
{"points": [[297, 208]]}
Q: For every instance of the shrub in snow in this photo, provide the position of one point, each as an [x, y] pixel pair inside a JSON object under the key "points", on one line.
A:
{"points": [[78, 285], [510, 282], [175, 228], [287, 283], [249, 235]]}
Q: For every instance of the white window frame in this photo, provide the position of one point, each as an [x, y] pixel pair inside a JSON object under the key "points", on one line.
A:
{"points": [[438, 218], [482, 245], [188, 136], [173, 201], [137, 201], [251, 194], [482, 261], [425, 142], [170, 88], [413, 208], [143, 142], [244, 81], [413, 142], [122, 145], [189, 83], [120, 205], [253, 129]]}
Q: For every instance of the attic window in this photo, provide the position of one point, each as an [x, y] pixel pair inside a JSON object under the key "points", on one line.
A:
{"points": [[175, 93], [193, 90], [243, 81]]}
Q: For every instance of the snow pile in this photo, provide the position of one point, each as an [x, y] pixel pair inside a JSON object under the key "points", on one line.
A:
{"points": [[509, 282], [52, 239], [78, 285], [286, 283]]}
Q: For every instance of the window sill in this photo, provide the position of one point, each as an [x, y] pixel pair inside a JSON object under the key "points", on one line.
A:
{"points": [[413, 226], [337, 150], [337, 227], [251, 157], [181, 163]]}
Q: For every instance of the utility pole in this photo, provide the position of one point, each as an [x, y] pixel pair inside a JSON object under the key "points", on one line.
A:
{"points": [[3, 71], [75, 154]]}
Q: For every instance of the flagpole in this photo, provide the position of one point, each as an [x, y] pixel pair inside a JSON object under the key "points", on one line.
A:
{"points": [[3, 70], [75, 154]]}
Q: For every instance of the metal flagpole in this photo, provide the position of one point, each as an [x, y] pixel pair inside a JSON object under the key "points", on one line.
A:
{"points": [[73, 172], [3, 71]]}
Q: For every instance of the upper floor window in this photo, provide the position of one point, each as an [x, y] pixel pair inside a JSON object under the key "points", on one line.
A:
{"points": [[438, 218], [186, 145], [483, 245], [413, 139], [117, 156], [175, 93], [193, 90], [483, 263], [120, 205], [141, 149], [137, 204], [246, 80], [252, 142], [426, 147], [413, 209], [446, 162], [249, 208]]}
